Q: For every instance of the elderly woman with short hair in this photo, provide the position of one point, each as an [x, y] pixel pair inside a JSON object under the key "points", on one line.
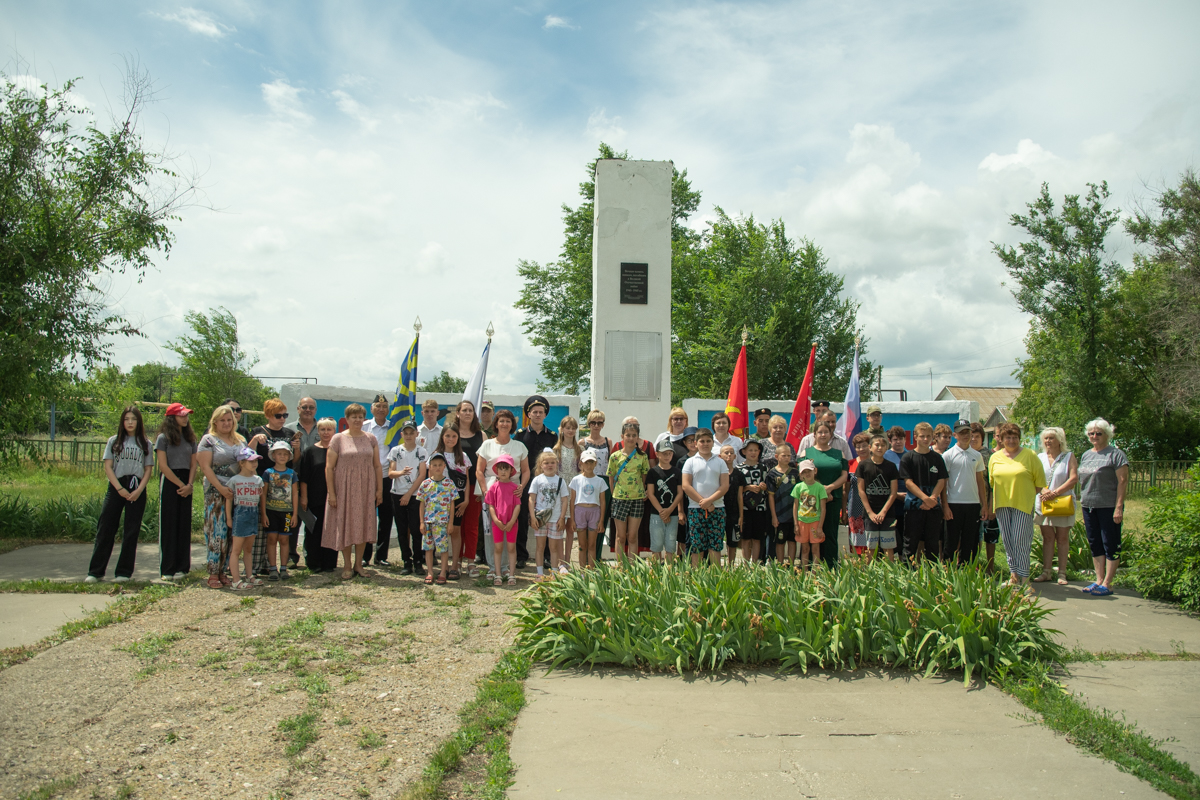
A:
{"points": [[1103, 480], [1016, 475], [1061, 476]]}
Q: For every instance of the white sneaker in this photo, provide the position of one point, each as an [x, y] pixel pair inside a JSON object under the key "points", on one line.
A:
{"points": [[91, 579], [120, 580], [179, 576], [166, 577]]}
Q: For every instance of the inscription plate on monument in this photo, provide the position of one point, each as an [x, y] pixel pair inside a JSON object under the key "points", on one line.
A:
{"points": [[633, 365], [634, 280]]}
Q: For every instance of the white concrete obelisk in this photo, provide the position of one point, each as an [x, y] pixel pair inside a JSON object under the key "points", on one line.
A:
{"points": [[631, 294]]}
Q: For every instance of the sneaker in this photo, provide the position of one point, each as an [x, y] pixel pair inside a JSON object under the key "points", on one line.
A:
{"points": [[120, 579], [521, 563], [179, 576], [167, 577], [382, 563], [273, 575], [408, 570], [91, 579]]}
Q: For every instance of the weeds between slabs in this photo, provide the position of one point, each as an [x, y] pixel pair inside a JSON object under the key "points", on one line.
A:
{"points": [[487, 721]]}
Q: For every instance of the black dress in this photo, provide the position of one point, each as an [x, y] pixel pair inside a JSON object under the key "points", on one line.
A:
{"points": [[312, 474]]}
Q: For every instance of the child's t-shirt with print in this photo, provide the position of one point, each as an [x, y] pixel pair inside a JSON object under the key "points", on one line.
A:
{"points": [[588, 490], [279, 487], [780, 484], [400, 457], [439, 497], [629, 478], [753, 474], [247, 489], [548, 493], [664, 483], [809, 498], [503, 497]]}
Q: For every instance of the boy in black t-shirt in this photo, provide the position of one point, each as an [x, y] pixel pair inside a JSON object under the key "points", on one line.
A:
{"points": [[663, 495], [753, 517], [877, 481], [923, 472], [733, 534], [781, 479]]}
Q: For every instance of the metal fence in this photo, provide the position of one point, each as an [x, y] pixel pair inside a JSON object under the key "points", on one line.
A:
{"points": [[83, 454], [1147, 475]]}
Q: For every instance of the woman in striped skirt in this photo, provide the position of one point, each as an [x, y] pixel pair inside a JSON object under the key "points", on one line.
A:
{"points": [[1016, 475]]}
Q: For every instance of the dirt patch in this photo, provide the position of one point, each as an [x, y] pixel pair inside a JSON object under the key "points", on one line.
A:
{"points": [[186, 699]]}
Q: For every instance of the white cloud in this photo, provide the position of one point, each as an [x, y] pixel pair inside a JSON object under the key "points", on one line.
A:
{"points": [[603, 128], [1029, 155], [198, 22], [355, 110], [284, 100], [877, 144], [552, 21], [265, 240]]}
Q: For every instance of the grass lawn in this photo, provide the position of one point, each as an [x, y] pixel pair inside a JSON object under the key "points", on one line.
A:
{"points": [[39, 484]]}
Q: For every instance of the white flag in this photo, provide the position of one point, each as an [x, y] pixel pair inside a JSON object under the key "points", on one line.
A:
{"points": [[474, 390]]}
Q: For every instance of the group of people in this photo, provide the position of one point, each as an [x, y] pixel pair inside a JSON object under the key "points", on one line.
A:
{"points": [[476, 494]]}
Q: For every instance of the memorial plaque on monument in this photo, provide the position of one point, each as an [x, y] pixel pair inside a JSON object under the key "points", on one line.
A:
{"points": [[634, 279], [633, 365]]}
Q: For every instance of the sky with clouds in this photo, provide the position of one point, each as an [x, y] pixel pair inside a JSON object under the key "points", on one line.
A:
{"points": [[363, 163]]}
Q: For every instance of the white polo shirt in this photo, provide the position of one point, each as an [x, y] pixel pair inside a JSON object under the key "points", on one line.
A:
{"points": [[962, 466], [706, 477]]}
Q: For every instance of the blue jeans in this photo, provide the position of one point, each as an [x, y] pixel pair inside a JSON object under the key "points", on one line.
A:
{"points": [[663, 534]]}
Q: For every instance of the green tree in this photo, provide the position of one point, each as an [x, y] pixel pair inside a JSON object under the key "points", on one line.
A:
{"points": [[557, 297], [213, 366], [1067, 282], [746, 273], [444, 382], [153, 380], [78, 204]]}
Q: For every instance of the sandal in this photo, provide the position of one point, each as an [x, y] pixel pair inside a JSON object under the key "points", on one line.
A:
{"points": [[359, 574], [441, 580], [429, 578], [1062, 580], [240, 586], [1045, 576], [1101, 591], [347, 574], [214, 582], [256, 582], [226, 580], [512, 580], [1088, 589], [473, 572], [452, 575], [496, 581]]}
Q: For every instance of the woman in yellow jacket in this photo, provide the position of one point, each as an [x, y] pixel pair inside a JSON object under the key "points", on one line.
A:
{"points": [[1016, 475]]}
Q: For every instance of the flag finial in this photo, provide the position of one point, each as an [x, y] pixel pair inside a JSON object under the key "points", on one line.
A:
{"points": [[417, 326], [490, 331], [857, 341], [745, 335]]}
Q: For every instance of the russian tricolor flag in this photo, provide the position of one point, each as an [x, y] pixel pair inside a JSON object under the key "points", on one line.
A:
{"points": [[850, 423]]}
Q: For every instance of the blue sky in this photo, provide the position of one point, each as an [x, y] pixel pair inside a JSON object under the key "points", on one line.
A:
{"points": [[363, 163]]}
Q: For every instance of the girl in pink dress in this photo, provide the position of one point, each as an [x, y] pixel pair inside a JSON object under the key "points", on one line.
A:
{"points": [[355, 480]]}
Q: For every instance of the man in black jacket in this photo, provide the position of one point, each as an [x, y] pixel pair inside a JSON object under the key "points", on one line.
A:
{"points": [[536, 437]]}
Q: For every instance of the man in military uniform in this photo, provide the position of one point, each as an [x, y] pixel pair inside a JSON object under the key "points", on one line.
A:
{"points": [[536, 437]]}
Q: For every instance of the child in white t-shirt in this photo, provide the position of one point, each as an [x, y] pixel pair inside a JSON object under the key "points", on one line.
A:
{"points": [[587, 500], [549, 500]]}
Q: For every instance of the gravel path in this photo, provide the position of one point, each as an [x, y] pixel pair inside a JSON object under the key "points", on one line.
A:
{"points": [[194, 710]]}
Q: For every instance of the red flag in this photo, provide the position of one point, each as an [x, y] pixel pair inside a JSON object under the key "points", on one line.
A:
{"points": [[798, 428], [738, 404]]}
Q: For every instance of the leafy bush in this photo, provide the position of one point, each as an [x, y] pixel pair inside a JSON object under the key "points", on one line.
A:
{"points": [[73, 518], [932, 618], [1164, 560]]}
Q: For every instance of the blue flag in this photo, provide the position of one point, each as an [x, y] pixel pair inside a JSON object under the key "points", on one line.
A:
{"points": [[405, 406]]}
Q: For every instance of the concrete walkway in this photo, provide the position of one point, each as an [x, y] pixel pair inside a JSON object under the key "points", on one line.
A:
{"points": [[69, 562], [1160, 696], [26, 619], [1123, 622], [752, 734]]}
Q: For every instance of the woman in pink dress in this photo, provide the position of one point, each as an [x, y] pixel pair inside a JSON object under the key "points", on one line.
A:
{"points": [[355, 480]]}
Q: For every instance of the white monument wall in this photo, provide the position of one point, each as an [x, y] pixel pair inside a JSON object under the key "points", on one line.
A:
{"points": [[631, 341]]}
